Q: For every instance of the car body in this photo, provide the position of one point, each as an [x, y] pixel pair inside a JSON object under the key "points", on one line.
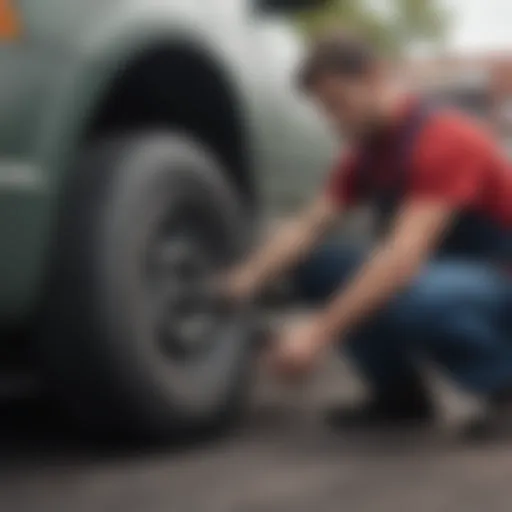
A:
{"points": [[75, 72], [62, 74]]}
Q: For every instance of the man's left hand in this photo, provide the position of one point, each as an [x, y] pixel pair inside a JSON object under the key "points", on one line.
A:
{"points": [[297, 348]]}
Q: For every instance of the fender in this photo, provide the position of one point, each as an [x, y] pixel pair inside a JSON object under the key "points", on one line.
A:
{"points": [[94, 63], [97, 65]]}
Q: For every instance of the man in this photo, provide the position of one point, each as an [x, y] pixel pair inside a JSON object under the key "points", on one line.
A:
{"points": [[436, 284]]}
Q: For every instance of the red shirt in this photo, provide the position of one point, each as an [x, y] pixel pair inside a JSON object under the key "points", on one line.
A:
{"points": [[454, 160]]}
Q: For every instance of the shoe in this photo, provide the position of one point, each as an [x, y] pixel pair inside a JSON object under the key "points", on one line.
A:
{"points": [[378, 413], [495, 424]]}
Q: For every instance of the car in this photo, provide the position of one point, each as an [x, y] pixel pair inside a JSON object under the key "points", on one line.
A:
{"points": [[141, 143]]}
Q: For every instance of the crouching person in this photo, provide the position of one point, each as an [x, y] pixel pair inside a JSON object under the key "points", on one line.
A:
{"points": [[436, 285]]}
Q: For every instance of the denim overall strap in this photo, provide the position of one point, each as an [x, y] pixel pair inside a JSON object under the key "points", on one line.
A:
{"points": [[473, 236], [386, 202]]}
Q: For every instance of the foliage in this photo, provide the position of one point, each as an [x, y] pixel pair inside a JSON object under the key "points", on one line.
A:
{"points": [[392, 24]]}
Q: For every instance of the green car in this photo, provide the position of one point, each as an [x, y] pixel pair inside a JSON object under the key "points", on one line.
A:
{"points": [[139, 141]]}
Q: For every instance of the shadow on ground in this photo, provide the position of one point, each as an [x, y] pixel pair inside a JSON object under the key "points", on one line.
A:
{"points": [[283, 458]]}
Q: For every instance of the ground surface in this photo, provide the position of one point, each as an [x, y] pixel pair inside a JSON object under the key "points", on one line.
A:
{"points": [[283, 459]]}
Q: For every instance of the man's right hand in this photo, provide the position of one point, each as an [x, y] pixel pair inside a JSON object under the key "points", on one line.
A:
{"points": [[239, 285]]}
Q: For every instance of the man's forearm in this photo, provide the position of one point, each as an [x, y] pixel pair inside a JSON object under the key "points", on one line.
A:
{"points": [[289, 244], [418, 230], [386, 273], [283, 249]]}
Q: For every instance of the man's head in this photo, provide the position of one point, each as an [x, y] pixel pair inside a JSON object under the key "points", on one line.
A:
{"points": [[345, 74]]}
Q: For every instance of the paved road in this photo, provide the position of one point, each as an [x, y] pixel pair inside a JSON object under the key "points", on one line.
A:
{"points": [[282, 459]]}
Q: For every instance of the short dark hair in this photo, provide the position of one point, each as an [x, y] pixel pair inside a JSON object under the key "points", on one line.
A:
{"points": [[341, 53]]}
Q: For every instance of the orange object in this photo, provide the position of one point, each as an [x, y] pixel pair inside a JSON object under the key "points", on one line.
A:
{"points": [[10, 25]]}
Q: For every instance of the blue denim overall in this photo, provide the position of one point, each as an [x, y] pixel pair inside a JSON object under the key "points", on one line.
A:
{"points": [[457, 313]]}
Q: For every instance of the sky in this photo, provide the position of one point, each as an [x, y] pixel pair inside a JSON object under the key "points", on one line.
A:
{"points": [[476, 25], [480, 25]]}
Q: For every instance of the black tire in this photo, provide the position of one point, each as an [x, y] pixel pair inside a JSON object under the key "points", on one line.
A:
{"points": [[101, 345]]}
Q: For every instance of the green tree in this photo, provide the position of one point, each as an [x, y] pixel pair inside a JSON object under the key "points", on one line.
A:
{"points": [[392, 24]]}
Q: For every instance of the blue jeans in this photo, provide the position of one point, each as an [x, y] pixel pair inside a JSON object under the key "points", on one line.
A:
{"points": [[457, 313]]}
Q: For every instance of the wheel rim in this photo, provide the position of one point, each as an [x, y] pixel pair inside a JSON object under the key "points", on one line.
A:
{"points": [[187, 250]]}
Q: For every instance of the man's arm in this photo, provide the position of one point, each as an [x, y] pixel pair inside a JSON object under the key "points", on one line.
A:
{"points": [[447, 178], [285, 247], [418, 230]]}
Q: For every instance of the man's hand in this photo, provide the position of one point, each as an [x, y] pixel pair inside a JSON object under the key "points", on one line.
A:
{"points": [[240, 285], [297, 348]]}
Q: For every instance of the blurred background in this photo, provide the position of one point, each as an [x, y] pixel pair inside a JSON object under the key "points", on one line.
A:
{"points": [[282, 458]]}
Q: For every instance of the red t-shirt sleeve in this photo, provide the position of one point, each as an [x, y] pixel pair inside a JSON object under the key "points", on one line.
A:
{"points": [[341, 184], [448, 165]]}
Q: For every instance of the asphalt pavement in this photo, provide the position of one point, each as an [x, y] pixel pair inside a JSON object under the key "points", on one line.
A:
{"points": [[283, 458]]}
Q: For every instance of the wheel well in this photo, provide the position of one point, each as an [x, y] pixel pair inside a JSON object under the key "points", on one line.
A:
{"points": [[178, 87]]}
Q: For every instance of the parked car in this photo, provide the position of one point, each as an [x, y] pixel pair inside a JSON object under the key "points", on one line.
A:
{"points": [[139, 141]]}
